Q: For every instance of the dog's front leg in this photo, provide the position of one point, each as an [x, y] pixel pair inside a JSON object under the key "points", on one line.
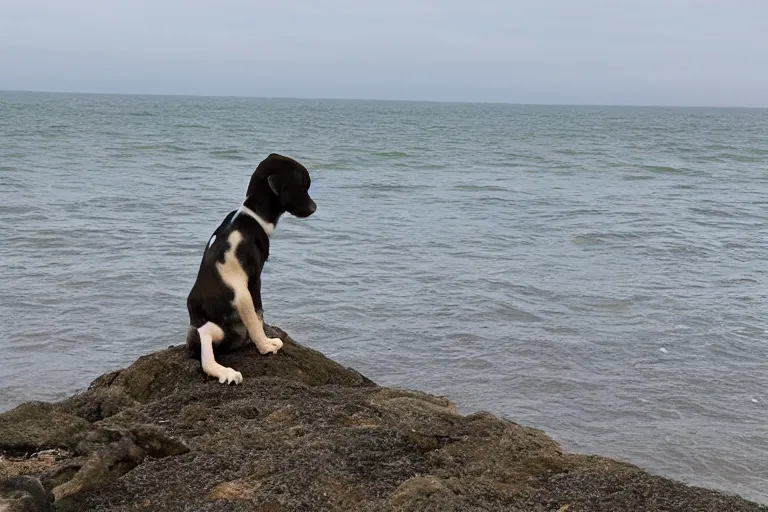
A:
{"points": [[254, 323], [235, 277]]}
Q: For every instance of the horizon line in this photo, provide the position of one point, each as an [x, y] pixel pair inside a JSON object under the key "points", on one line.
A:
{"points": [[383, 100]]}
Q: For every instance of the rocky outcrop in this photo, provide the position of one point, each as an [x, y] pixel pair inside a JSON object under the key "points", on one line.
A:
{"points": [[300, 433]]}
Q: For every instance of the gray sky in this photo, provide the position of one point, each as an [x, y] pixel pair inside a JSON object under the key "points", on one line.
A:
{"points": [[667, 52]]}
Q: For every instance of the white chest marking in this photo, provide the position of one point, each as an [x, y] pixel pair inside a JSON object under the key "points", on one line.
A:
{"points": [[268, 227]]}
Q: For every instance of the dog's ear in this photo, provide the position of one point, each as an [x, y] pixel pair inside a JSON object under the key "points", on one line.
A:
{"points": [[275, 183]]}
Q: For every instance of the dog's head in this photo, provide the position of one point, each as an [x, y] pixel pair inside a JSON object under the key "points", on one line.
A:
{"points": [[286, 182]]}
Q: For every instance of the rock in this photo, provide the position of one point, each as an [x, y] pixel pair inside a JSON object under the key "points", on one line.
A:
{"points": [[304, 433], [425, 493], [37, 463], [99, 403], [157, 443], [36, 426], [113, 452], [24, 494]]}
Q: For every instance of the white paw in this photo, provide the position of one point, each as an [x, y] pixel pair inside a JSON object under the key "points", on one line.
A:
{"points": [[228, 376], [271, 346], [276, 342]]}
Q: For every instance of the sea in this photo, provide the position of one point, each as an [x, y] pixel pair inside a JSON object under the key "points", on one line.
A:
{"points": [[599, 273]]}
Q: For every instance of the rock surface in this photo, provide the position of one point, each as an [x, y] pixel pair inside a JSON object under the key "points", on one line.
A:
{"points": [[300, 433]]}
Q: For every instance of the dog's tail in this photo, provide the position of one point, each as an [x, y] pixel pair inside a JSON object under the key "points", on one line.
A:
{"points": [[193, 342]]}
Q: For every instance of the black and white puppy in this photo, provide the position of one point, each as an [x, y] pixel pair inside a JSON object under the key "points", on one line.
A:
{"points": [[224, 304]]}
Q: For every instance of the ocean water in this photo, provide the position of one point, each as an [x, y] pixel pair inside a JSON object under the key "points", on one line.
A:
{"points": [[596, 272]]}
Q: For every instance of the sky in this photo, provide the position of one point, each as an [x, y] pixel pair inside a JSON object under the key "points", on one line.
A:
{"points": [[616, 52]]}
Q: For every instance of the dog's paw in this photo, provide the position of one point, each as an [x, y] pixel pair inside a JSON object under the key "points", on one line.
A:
{"points": [[271, 346], [276, 342], [228, 376]]}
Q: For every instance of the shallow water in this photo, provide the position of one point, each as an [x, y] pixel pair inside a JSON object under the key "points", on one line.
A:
{"points": [[597, 272]]}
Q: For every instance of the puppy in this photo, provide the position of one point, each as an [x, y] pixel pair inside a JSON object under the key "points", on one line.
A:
{"points": [[224, 304]]}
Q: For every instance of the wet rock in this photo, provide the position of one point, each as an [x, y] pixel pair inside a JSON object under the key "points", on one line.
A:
{"points": [[304, 433]]}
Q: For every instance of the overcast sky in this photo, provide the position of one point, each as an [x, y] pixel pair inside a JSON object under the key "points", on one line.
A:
{"points": [[662, 52]]}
